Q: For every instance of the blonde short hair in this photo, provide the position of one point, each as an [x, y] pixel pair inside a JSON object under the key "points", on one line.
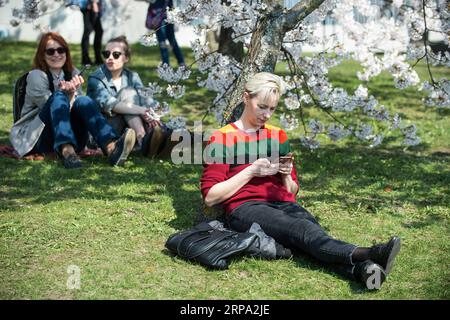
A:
{"points": [[267, 84]]}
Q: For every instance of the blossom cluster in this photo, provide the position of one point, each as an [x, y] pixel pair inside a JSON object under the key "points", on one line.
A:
{"points": [[176, 91], [176, 123], [149, 39], [379, 42], [438, 95], [221, 72], [239, 15], [170, 75]]}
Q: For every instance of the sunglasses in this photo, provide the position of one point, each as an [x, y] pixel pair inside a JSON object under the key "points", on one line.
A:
{"points": [[51, 51], [115, 54]]}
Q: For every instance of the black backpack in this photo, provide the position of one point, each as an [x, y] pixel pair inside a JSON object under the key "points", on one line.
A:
{"points": [[208, 246], [20, 89]]}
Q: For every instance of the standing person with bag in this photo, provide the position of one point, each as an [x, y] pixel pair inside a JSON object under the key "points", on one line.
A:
{"points": [[55, 117], [115, 88], [250, 171], [156, 20]]}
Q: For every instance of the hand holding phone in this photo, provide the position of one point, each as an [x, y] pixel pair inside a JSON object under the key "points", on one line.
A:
{"points": [[289, 157], [85, 67], [71, 86], [286, 163]]}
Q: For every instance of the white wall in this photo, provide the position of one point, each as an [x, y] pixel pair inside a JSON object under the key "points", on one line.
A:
{"points": [[69, 23]]}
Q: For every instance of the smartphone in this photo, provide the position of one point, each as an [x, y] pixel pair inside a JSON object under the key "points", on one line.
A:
{"points": [[287, 158], [85, 67]]}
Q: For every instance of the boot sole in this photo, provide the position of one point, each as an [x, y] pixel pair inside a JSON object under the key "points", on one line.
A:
{"points": [[394, 251], [128, 144], [382, 275]]}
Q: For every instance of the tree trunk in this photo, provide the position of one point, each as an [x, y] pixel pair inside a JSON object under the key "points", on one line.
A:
{"points": [[262, 56], [228, 47], [226, 44]]}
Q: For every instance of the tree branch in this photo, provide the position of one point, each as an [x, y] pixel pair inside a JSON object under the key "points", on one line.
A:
{"points": [[425, 38], [291, 65], [299, 12], [221, 97], [308, 89], [418, 60]]}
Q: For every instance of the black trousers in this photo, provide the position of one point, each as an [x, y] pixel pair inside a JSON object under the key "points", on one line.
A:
{"points": [[295, 228], [92, 22]]}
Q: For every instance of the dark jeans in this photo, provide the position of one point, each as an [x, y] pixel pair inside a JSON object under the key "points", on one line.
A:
{"points": [[91, 22], [167, 32], [294, 227], [65, 126]]}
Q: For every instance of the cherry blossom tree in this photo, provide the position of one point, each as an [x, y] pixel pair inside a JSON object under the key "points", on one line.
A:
{"points": [[271, 32], [381, 35]]}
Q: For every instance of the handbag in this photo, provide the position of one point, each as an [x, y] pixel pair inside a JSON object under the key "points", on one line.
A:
{"points": [[155, 17], [209, 246]]}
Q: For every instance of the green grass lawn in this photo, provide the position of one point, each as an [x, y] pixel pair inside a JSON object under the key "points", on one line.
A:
{"points": [[113, 222]]}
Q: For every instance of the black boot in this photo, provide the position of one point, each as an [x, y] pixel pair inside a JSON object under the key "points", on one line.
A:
{"points": [[384, 254]]}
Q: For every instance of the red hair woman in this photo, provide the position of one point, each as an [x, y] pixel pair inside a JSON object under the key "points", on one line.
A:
{"points": [[55, 117]]}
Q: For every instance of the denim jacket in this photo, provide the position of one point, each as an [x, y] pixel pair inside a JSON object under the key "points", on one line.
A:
{"points": [[102, 90]]}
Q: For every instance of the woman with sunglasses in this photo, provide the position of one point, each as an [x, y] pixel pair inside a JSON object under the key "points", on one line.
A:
{"points": [[250, 172], [116, 90], [55, 117]]}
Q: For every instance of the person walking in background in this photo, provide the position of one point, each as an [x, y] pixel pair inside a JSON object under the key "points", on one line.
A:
{"points": [[92, 11], [156, 16]]}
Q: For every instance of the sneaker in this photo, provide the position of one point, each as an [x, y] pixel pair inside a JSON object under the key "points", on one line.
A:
{"points": [[370, 274], [166, 145], [384, 254], [72, 162], [145, 144], [151, 145], [124, 145]]}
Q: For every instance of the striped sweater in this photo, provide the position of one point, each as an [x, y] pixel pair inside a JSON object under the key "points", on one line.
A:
{"points": [[230, 150]]}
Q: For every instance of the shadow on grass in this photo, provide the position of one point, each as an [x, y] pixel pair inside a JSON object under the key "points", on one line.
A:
{"points": [[302, 261], [4, 137], [305, 261], [358, 173], [9, 89], [376, 177], [96, 180], [176, 259], [352, 176]]}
